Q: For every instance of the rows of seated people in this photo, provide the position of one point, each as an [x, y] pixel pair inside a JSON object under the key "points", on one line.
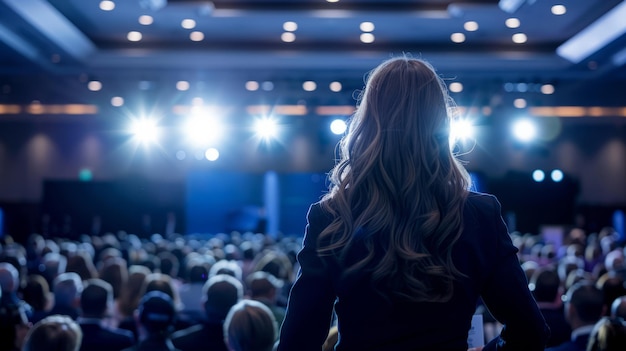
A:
{"points": [[191, 293]]}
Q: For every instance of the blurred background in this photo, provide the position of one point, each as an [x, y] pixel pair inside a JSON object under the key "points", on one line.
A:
{"points": [[190, 116]]}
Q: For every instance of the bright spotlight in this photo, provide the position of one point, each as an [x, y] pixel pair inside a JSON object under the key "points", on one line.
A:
{"points": [[202, 129], [145, 130], [212, 154], [556, 175], [524, 130], [462, 129], [266, 128], [338, 126], [538, 175]]}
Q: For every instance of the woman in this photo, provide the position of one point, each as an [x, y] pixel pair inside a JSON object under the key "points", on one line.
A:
{"points": [[399, 246]]}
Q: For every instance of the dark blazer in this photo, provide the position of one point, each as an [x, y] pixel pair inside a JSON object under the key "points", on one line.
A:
{"points": [[578, 344], [208, 336], [367, 321], [98, 338]]}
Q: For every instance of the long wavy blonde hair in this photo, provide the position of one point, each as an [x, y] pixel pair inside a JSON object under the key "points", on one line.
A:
{"points": [[397, 187]]}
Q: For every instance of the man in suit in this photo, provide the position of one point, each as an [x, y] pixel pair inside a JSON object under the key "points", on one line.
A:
{"points": [[584, 306], [96, 301], [545, 285], [221, 292]]}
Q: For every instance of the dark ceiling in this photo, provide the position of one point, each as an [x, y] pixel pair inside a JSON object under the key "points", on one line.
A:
{"points": [[50, 50]]}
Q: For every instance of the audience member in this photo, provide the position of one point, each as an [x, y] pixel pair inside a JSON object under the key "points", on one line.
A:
{"points": [[583, 308], [55, 332], [14, 325], [618, 308], [250, 326], [546, 288], [265, 288], [221, 292], [67, 289], [96, 302], [155, 320], [608, 334], [37, 294]]}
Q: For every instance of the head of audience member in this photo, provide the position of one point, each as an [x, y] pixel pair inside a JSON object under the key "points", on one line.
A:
{"points": [[612, 288], [608, 334], [169, 263], [97, 299], [53, 264], [67, 290], [56, 332], [115, 272], [231, 268], [264, 287], [13, 327], [163, 283], [277, 264], [197, 273], [545, 285], [37, 293], [567, 264], [250, 326], [156, 314], [220, 293], [584, 304], [15, 255], [529, 268], [614, 261], [618, 308], [82, 264], [9, 279], [132, 290]]}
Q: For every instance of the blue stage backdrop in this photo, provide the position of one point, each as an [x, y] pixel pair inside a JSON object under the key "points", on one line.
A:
{"points": [[219, 202]]}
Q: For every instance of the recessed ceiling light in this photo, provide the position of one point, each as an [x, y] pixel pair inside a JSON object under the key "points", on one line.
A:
{"points": [[117, 101], [196, 36], [335, 87], [252, 85], [309, 85], [471, 26], [558, 10], [457, 37], [519, 38], [146, 20], [182, 85], [332, 0], [520, 103], [367, 38], [288, 37], [512, 22], [367, 26], [107, 5], [456, 87], [547, 89], [134, 36], [94, 85], [290, 26], [188, 23]]}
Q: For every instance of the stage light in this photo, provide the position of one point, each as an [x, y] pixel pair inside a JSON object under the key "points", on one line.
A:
{"points": [[203, 128], [145, 130], [556, 175], [338, 126], [266, 128], [461, 130], [524, 130], [212, 154], [538, 175]]}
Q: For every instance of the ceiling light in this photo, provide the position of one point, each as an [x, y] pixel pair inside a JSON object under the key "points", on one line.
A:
{"points": [[367, 26], [519, 38], [288, 37], [547, 89], [146, 20], [600, 33], [520, 103], [511, 6], [134, 36], [309, 85], [252, 85], [558, 10], [290, 26], [367, 38], [456, 87], [107, 5], [94, 85], [196, 36], [332, 0], [335, 87], [267, 86], [188, 23], [197, 101], [471, 26], [457, 37], [182, 85], [117, 101], [512, 22]]}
